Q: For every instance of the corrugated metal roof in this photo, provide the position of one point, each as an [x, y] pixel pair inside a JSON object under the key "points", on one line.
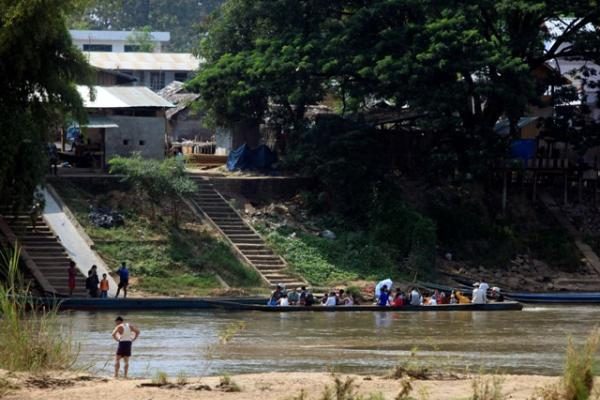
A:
{"points": [[122, 97], [143, 61], [175, 93], [100, 121]]}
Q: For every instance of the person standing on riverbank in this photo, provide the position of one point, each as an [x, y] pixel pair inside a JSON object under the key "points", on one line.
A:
{"points": [[125, 334], [123, 280], [72, 271], [104, 287]]}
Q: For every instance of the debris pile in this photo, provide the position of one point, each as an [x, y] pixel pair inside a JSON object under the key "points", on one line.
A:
{"points": [[105, 218]]}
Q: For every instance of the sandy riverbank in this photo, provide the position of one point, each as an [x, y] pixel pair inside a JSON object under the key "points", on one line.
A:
{"points": [[253, 386]]}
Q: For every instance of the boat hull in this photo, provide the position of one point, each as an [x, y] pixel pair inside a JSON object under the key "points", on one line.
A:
{"points": [[249, 304], [556, 298]]}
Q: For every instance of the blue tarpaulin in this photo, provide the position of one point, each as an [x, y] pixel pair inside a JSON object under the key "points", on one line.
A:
{"points": [[245, 158], [523, 149]]}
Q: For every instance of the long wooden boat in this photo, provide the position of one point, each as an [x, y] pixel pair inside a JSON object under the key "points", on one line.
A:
{"points": [[555, 297], [247, 304]]}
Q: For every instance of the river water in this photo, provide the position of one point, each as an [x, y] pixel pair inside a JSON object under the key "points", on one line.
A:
{"points": [[531, 341]]}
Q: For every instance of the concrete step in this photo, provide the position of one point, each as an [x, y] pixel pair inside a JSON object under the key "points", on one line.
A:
{"points": [[258, 252]]}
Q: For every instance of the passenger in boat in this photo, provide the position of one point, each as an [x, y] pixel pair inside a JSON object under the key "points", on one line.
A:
{"points": [[453, 299], [350, 300], [125, 334], [462, 299], [384, 297], [72, 271], [442, 298], [415, 297], [275, 296], [483, 288], [123, 279], [398, 298], [302, 297], [309, 299], [341, 297], [432, 301], [331, 300], [104, 287], [477, 297], [91, 283], [284, 301], [496, 295], [293, 297]]}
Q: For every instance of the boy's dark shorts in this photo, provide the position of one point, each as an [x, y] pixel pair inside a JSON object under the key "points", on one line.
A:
{"points": [[123, 283], [124, 349]]}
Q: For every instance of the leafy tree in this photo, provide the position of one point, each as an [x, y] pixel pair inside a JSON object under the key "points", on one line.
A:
{"points": [[463, 63], [180, 17], [157, 182], [141, 40], [38, 69]]}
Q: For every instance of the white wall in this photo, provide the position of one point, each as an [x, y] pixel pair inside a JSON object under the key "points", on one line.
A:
{"points": [[151, 130]]}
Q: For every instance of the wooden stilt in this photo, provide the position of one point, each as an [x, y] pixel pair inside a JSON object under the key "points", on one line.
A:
{"points": [[534, 186], [566, 190], [504, 191]]}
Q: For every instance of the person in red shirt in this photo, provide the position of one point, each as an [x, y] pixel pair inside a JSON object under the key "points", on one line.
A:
{"points": [[398, 298], [72, 275]]}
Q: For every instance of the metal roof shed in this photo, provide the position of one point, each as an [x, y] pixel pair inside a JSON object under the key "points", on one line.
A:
{"points": [[106, 97]]}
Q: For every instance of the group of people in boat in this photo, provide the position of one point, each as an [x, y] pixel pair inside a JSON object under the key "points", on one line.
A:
{"points": [[385, 296]]}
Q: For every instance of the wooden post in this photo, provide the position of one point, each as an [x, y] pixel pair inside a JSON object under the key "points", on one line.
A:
{"points": [[504, 192], [566, 190], [534, 186], [62, 140]]}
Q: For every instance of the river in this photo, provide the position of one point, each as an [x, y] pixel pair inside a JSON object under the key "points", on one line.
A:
{"points": [[531, 341]]}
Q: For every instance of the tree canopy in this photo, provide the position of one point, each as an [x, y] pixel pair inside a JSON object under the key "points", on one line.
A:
{"points": [[462, 63], [38, 69], [180, 17]]}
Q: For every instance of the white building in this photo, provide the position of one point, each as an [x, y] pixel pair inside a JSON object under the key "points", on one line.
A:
{"points": [[153, 70], [114, 41]]}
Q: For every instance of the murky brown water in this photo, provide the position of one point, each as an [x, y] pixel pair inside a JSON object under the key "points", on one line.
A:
{"points": [[530, 341]]}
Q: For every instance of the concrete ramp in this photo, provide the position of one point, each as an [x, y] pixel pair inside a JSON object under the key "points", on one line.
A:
{"points": [[76, 242]]}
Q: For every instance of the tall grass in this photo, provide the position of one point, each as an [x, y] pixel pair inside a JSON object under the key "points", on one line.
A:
{"points": [[577, 382], [30, 336]]}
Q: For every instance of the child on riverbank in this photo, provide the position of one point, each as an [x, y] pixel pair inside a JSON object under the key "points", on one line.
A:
{"points": [[104, 287]]}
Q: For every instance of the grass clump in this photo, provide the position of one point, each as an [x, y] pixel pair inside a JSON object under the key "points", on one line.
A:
{"points": [[182, 378], [577, 382], [160, 378], [227, 384], [30, 336], [487, 388]]}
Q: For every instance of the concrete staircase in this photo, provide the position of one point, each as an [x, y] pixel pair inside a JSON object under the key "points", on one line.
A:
{"points": [[246, 242], [42, 247]]}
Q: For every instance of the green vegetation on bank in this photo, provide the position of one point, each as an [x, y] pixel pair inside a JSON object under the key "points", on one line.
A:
{"points": [[351, 256], [165, 259], [30, 338]]}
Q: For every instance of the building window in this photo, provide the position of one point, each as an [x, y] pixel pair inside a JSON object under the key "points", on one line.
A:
{"points": [[157, 80], [181, 76], [125, 142], [97, 47], [142, 142], [131, 48]]}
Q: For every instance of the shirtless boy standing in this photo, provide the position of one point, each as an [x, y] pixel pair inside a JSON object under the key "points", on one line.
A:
{"points": [[124, 334]]}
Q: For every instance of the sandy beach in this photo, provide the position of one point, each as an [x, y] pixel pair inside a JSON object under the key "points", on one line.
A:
{"points": [[62, 386]]}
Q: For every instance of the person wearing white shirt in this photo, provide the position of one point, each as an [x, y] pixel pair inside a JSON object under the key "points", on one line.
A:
{"points": [[483, 289], [331, 300], [415, 298], [477, 297]]}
